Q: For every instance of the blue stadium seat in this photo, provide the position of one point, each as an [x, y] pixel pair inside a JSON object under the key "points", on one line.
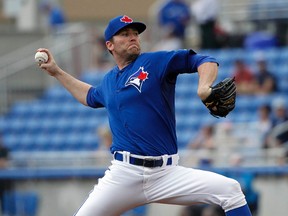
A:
{"points": [[283, 85], [11, 142], [89, 141], [58, 141], [3, 124], [138, 211], [24, 203], [185, 136], [26, 142], [283, 54], [20, 108], [247, 103], [57, 92], [74, 142], [92, 77], [12, 125], [42, 142]]}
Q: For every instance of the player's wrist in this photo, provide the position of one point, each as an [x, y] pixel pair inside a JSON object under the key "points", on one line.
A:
{"points": [[204, 91]]}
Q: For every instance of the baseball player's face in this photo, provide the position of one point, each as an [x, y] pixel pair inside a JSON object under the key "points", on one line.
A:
{"points": [[126, 43]]}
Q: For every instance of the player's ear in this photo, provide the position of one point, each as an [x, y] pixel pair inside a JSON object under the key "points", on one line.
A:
{"points": [[110, 46]]}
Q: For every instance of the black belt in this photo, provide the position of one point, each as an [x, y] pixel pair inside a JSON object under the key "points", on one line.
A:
{"points": [[147, 162]]}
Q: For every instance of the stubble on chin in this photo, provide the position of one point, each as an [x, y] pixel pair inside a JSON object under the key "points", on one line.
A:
{"points": [[134, 53], [133, 56]]}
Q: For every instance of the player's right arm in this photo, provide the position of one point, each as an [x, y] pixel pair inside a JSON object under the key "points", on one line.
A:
{"points": [[77, 88]]}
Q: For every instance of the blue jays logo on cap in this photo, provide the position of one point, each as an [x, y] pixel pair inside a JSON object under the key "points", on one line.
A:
{"points": [[120, 22], [137, 79], [126, 19]]}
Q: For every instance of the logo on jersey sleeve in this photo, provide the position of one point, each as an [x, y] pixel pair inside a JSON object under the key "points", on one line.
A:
{"points": [[137, 79]]}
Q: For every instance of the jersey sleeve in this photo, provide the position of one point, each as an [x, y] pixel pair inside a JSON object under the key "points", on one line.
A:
{"points": [[187, 61], [94, 97]]}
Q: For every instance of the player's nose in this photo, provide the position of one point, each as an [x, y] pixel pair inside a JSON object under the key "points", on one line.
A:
{"points": [[133, 34], [133, 37]]}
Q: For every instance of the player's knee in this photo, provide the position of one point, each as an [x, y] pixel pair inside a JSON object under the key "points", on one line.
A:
{"points": [[232, 186], [234, 195]]}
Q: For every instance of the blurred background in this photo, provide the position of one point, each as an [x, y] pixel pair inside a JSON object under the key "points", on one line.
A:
{"points": [[53, 150]]}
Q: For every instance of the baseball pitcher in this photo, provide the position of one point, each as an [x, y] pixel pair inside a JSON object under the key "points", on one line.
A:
{"points": [[139, 95]]}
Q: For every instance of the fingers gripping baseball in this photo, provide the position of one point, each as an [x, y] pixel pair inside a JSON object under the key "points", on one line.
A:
{"points": [[222, 99], [46, 61], [41, 57]]}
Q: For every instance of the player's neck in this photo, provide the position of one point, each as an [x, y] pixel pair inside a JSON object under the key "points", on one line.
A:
{"points": [[122, 62]]}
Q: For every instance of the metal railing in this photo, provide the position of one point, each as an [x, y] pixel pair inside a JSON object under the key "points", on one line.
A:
{"points": [[254, 10], [20, 78]]}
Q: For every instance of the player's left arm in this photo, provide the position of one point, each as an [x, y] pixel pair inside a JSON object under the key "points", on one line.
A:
{"points": [[207, 72]]}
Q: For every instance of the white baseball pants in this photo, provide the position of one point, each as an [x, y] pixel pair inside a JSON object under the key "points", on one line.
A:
{"points": [[125, 186]]}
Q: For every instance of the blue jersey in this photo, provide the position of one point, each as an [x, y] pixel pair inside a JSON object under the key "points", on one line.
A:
{"points": [[175, 14], [140, 100]]}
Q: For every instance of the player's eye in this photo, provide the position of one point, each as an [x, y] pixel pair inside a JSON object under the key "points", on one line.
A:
{"points": [[129, 33], [123, 33]]}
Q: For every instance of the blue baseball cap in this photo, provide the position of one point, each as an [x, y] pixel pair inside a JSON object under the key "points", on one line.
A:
{"points": [[120, 22]]}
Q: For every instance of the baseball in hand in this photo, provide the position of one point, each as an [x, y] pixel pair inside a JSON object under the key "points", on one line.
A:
{"points": [[41, 57]]}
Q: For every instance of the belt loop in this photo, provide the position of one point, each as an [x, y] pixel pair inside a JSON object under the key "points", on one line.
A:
{"points": [[175, 159], [165, 159], [126, 156]]}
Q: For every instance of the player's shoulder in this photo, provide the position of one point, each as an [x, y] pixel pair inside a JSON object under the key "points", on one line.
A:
{"points": [[110, 72], [159, 52], [162, 53]]}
